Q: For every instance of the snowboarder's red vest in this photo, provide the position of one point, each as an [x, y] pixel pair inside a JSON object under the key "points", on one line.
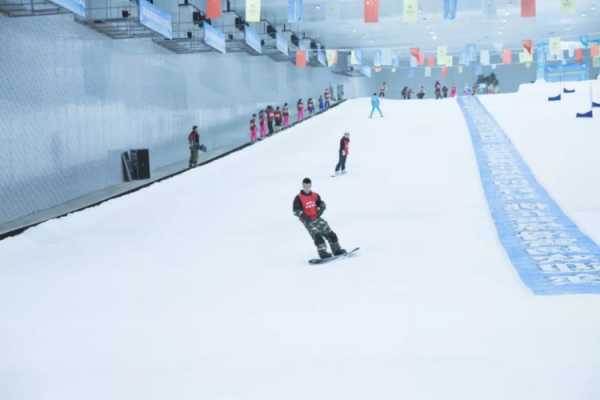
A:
{"points": [[309, 204]]}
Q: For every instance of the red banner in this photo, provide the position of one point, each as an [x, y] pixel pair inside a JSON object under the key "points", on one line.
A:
{"points": [[300, 59], [418, 55], [444, 72], [528, 45], [371, 10], [431, 61], [527, 8], [507, 56], [595, 50], [213, 9], [579, 55]]}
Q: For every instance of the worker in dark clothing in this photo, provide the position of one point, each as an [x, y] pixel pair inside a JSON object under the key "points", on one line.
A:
{"points": [[308, 207], [194, 143], [343, 154]]}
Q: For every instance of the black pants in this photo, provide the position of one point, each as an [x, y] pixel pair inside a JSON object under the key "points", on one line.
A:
{"points": [[341, 165], [270, 125]]}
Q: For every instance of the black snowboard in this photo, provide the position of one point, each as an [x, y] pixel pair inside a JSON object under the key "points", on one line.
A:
{"points": [[329, 259]]}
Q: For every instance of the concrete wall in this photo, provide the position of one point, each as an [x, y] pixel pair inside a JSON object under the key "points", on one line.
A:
{"points": [[72, 99]]}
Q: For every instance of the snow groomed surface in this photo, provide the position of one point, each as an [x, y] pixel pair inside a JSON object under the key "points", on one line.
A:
{"points": [[548, 250]]}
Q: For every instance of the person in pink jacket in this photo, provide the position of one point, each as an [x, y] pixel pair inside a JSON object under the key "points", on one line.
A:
{"points": [[300, 107], [286, 115]]}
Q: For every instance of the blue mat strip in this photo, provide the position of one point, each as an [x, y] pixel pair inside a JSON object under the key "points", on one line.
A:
{"points": [[550, 253]]}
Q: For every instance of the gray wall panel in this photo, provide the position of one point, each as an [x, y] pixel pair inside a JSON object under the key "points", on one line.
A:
{"points": [[71, 100]]}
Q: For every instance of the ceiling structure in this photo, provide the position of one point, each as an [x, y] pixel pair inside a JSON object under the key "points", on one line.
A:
{"points": [[339, 24]]}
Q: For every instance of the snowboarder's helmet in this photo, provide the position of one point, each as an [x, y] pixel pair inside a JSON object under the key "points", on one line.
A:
{"points": [[347, 134], [306, 181]]}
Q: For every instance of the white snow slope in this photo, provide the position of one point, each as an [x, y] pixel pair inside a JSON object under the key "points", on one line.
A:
{"points": [[198, 287]]}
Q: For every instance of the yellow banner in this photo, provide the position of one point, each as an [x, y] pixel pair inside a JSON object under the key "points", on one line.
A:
{"points": [[554, 46], [567, 7], [353, 58], [449, 61], [442, 51], [525, 57], [331, 57], [252, 10], [411, 10]]}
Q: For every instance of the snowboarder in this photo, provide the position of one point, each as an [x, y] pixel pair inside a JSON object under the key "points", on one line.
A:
{"points": [[453, 91], [286, 115], [253, 128], [421, 93], [194, 143], [300, 108], [321, 104], [375, 105], [404, 93], [438, 90], [382, 90], [445, 91], [327, 97], [343, 153], [308, 207]]}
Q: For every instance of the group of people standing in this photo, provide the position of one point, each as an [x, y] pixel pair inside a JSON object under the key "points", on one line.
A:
{"points": [[273, 119], [438, 90]]}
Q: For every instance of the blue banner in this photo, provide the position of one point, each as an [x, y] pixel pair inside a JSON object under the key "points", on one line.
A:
{"points": [[565, 72], [214, 38], [550, 253], [156, 19], [450, 9], [75, 6], [295, 11], [321, 57], [252, 39]]}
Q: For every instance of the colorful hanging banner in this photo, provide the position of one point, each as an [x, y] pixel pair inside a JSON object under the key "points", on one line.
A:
{"points": [[449, 61], [377, 59], [331, 57], [507, 56], [525, 57], [386, 57], [484, 57], [295, 11], [450, 9], [596, 62], [595, 50], [371, 11], [213, 9], [431, 61], [252, 10], [555, 47], [427, 72], [354, 57], [489, 8], [527, 8], [442, 51], [579, 55], [444, 72], [567, 7], [300, 58], [528, 46], [411, 9]]}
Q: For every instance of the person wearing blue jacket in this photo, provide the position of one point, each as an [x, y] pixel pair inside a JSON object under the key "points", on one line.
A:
{"points": [[375, 105]]}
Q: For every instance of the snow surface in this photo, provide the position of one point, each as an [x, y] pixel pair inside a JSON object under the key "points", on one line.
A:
{"points": [[198, 287]]}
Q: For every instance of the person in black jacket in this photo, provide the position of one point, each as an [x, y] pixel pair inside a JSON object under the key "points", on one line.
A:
{"points": [[308, 207], [343, 153]]}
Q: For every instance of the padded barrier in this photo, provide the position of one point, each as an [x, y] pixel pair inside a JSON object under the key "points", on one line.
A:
{"points": [[555, 98], [588, 114], [565, 90], [550, 253]]}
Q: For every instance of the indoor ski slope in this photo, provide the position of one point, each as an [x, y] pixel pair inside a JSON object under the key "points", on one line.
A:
{"points": [[198, 287]]}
